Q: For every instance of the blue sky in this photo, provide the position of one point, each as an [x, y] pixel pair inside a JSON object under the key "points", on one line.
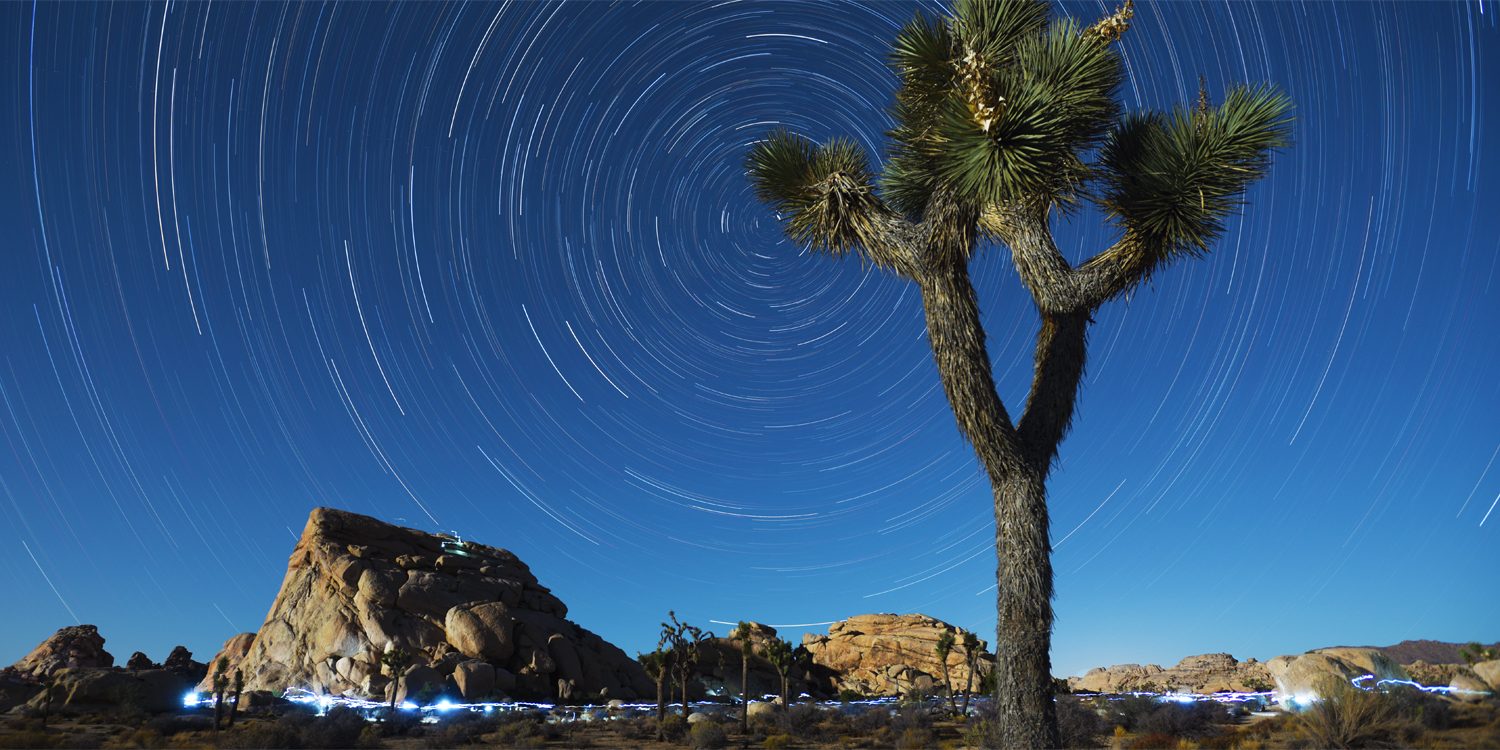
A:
{"points": [[497, 269]]}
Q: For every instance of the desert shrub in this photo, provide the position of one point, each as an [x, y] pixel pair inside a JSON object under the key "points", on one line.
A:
{"points": [[1078, 725], [259, 734], [871, 721], [520, 732], [1344, 716], [1153, 741], [29, 738], [846, 695], [708, 735], [1148, 715], [464, 728], [1421, 708], [674, 727], [777, 742], [139, 737], [168, 724], [801, 720], [914, 738], [639, 728]]}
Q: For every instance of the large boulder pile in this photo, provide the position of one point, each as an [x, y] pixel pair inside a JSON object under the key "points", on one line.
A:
{"points": [[886, 654], [357, 587], [1205, 673], [72, 647]]}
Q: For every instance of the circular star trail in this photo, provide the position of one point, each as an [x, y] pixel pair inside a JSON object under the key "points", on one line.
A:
{"points": [[496, 268]]}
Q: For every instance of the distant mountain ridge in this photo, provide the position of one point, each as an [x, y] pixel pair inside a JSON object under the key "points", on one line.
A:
{"points": [[1432, 652]]}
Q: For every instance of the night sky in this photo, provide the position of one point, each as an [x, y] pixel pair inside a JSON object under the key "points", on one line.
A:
{"points": [[496, 268]]}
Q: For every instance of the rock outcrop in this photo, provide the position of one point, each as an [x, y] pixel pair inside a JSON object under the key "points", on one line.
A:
{"points": [[88, 690], [719, 666], [886, 654], [356, 587], [232, 652], [1489, 671], [72, 647], [1205, 673]]}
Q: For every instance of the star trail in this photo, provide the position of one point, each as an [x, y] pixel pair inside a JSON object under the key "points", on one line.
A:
{"points": [[495, 268]]}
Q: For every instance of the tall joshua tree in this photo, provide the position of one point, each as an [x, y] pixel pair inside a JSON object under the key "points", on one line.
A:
{"points": [[1004, 117], [779, 653], [658, 667]]}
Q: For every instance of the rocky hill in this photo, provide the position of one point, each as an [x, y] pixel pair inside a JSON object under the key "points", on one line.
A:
{"points": [[887, 654], [473, 617]]}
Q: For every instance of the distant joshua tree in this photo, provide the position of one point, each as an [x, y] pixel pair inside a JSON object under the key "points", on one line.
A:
{"points": [[687, 641], [396, 660], [747, 649], [779, 653], [1004, 118], [944, 648], [220, 682]]}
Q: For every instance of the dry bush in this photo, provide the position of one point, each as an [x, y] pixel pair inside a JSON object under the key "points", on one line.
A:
{"points": [[1346, 717]]}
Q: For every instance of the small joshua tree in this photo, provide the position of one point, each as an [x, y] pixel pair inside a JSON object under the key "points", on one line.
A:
{"points": [[658, 667], [1005, 119], [971, 660], [747, 648], [238, 684], [944, 648], [220, 682], [396, 660], [779, 653]]}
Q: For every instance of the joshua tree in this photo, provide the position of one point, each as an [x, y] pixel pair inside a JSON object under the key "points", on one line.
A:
{"points": [[1003, 118], [944, 648], [971, 660], [396, 660], [658, 668], [238, 684], [219, 683], [747, 648], [779, 653], [47, 687], [687, 641]]}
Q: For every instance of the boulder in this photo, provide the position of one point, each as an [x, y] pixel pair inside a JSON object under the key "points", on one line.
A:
{"points": [[72, 647], [475, 679], [139, 661], [858, 654], [481, 631], [1489, 671], [1467, 686], [1302, 675], [355, 586], [181, 661], [418, 683], [761, 708], [1204, 673]]}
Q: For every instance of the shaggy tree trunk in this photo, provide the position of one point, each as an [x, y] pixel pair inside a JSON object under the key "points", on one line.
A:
{"points": [[1025, 712], [969, 681], [948, 688]]}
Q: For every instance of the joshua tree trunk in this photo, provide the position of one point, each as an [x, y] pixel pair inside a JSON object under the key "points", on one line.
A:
{"points": [[968, 681], [1017, 475], [661, 699], [744, 691], [948, 688]]}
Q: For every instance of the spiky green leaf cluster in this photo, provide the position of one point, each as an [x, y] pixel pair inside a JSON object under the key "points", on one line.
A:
{"points": [[824, 192], [1050, 89], [1172, 179]]}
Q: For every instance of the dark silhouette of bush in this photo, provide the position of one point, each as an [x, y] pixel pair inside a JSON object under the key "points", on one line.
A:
{"points": [[1153, 741]]}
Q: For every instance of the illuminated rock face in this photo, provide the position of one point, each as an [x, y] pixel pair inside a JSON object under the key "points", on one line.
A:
{"points": [[884, 654], [356, 587], [1303, 674]]}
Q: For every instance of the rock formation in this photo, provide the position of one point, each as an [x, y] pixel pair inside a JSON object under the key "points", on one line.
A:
{"points": [[885, 654], [719, 666], [1205, 673], [356, 587], [72, 647], [232, 652]]}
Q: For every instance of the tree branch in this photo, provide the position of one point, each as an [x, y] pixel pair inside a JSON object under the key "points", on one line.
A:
{"points": [[1061, 349]]}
